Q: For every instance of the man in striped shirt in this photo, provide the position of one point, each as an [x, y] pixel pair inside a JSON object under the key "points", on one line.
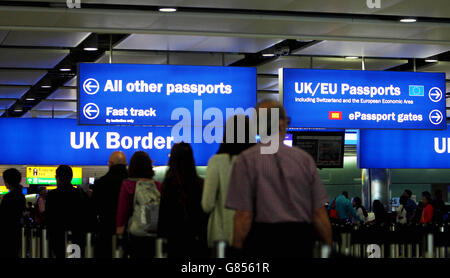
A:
{"points": [[279, 198]]}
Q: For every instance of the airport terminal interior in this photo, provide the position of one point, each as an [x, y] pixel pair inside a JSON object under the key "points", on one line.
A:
{"points": [[43, 44]]}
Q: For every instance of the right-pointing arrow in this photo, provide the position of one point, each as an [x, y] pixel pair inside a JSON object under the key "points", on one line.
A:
{"points": [[437, 116], [436, 94]]}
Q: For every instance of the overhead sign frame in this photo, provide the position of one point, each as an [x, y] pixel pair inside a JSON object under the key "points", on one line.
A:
{"points": [[354, 99], [145, 94]]}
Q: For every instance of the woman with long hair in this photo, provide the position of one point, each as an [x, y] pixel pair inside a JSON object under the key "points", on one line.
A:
{"points": [[215, 192], [381, 216], [181, 218], [139, 199]]}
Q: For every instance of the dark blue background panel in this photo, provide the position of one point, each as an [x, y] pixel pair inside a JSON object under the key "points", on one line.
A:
{"points": [[403, 149]]}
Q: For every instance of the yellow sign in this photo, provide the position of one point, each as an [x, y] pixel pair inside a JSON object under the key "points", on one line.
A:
{"points": [[3, 190], [46, 175]]}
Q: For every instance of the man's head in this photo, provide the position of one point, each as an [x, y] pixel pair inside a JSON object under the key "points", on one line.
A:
{"points": [[12, 178], [64, 175], [272, 107], [345, 193], [272, 125], [117, 158], [426, 197], [407, 193]]}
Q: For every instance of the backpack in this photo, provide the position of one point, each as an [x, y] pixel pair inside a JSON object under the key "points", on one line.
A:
{"points": [[144, 221], [333, 212]]}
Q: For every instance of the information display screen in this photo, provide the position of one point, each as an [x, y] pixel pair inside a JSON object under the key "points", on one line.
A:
{"points": [[363, 99], [326, 148], [46, 175], [404, 149], [138, 94]]}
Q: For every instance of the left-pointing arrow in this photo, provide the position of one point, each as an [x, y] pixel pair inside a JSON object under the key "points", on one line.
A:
{"points": [[89, 110]]}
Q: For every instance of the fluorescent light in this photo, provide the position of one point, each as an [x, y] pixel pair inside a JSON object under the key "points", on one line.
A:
{"points": [[90, 48], [18, 110], [300, 40], [408, 20], [65, 69], [167, 10], [431, 61], [268, 55], [30, 99], [352, 57], [45, 86]]}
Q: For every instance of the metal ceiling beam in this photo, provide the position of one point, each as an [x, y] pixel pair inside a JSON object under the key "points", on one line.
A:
{"points": [[56, 79], [255, 59]]}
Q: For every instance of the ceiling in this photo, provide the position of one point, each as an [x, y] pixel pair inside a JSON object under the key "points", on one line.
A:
{"points": [[262, 19], [196, 43], [37, 40], [435, 8]]}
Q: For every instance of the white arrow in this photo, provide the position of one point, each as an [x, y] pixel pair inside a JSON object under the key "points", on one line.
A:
{"points": [[89, 86], [89, 111], [436, 94], [437, 116]]}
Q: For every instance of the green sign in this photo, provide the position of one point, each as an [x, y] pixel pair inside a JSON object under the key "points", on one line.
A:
{"points": [[51, 181]]}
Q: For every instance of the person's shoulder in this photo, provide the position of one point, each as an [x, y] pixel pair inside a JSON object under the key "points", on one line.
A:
{"points": [[296, 153], [128, 182], [51, 194], [252, 151], [218, 159], [101, 180]]}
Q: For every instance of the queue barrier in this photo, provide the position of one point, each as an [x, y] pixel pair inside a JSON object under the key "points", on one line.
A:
{"points": [[356, 241], [389, 241]]}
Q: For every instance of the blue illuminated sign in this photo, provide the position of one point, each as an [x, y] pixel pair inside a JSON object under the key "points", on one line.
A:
{"points": [[62, 141], [128, 94], [363, 99], [403, 149]]}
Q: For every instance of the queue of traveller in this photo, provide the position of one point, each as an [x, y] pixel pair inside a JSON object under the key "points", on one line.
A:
{"points": [[246, 197], [342, 210]]}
